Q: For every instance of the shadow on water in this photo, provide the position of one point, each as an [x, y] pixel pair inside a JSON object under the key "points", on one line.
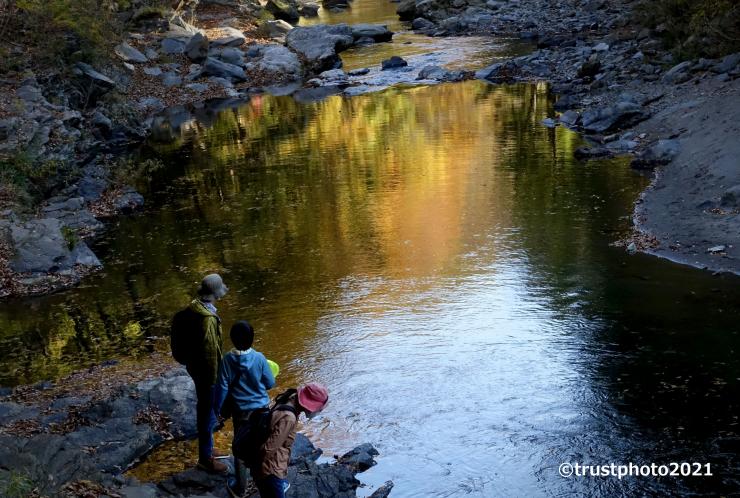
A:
{"points": [[437, 257]]}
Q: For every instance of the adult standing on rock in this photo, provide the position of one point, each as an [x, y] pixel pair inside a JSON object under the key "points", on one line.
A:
{"points": [[197, 343]]}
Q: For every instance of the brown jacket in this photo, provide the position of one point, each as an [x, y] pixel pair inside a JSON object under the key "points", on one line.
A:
{"points": [[275, 453]]}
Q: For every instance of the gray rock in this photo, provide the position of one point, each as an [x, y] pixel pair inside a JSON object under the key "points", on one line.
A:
{"points": [[363, 42], [660, 153], [359, 72], [360, 458], [570, 118], [601, 47], [501, 72], [275, 29], [197, 48], [717, 249], [129, 54], [233, 38], [613, 117], [31, 93], [231, 55], [727, 64], [320, 44], [378, 32], [395, 62], [406, 10], [197, 87], [39, 247], [153, 71], [277, 62], [308, 9], [383, 491], [731, 197], [102, 122], [421, 24], [129, 201], [222, 82], [303, 449], [83, 256], [679, 73], [287, 10], [441, 74], [179, 28], [94, 76], [215, 67], [73, 214], [549, 122], [173, 46], [566, 102], [335, 77], [151, 54]]}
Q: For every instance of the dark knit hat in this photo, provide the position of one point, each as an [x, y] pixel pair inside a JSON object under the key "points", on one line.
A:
{"points": [[242, 335]]}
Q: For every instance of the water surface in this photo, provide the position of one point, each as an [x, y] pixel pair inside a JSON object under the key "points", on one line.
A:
{"points": [[437, 258]]}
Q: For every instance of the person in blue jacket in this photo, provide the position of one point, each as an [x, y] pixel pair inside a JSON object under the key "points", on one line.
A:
{"points": [[244, 377]]}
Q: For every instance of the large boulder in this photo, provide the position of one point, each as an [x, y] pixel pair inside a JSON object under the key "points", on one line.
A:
{"points": [[321, 44], [287, 10], [406, 10], [613, 117], [378, 32], [40, 246], [276, 63], [220, 69]]}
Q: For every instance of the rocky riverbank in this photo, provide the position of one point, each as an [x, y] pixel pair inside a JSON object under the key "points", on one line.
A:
{"points": [[68, 133], [79, 436], [617, 85]]}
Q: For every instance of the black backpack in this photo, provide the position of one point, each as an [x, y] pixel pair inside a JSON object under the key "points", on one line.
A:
{"points": [[186, 336], [253, 433]]}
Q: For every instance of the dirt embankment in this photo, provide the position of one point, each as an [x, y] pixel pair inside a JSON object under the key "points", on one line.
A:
{"points": [[693, 205]]}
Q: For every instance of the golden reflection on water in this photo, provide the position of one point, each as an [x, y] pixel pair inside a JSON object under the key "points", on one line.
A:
{"points": [[424, 252]]}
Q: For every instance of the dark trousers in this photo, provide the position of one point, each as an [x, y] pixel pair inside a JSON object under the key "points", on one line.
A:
{"points": [[206, 418], [271, 487], [240, 470]]}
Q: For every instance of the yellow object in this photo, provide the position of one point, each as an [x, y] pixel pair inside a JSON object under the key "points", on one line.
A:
{"points": [[274, 367]]}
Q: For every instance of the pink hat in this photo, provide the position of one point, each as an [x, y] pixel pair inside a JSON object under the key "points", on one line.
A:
{"points": [[313, 397]]}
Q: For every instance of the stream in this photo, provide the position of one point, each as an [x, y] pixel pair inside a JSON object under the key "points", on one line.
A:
{"points": [[437, 258]]}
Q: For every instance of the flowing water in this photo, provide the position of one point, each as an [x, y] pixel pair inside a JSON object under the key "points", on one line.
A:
{"points": [[436, 257]]}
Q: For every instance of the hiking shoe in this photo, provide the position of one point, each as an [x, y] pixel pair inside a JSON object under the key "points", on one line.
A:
{"points": [[233, 488], [213, 466]]}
